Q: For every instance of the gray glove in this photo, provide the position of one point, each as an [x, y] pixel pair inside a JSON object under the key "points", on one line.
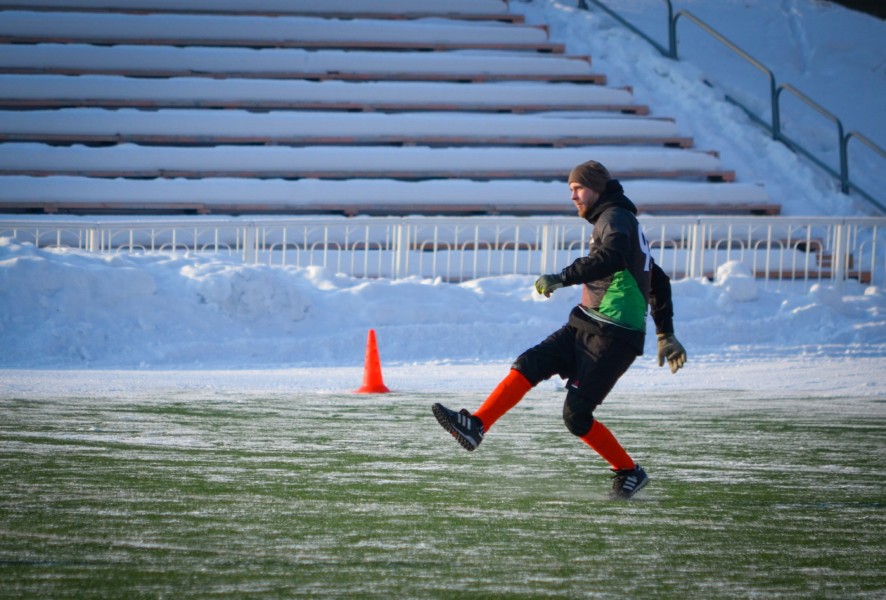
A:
{"points": [[670, 349], [546, 284]]}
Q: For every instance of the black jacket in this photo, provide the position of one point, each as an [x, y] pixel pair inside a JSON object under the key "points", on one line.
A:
{"points": [[619, 277]]}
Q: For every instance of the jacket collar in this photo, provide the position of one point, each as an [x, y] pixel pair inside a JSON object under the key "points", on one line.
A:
{"points": [[611, 197]]}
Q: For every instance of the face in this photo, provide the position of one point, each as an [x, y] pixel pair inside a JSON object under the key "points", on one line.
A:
{"points": [[583, 198]]}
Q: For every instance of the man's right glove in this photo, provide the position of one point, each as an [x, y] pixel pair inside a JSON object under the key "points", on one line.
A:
{"points": [[546, 284], [671, 350]]}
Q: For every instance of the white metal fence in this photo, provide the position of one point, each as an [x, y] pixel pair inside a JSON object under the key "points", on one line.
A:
{"points": [[458, 248]]}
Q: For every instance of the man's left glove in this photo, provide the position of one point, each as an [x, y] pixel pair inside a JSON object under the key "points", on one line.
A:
{"points": [[670, 349], [546, 284]]}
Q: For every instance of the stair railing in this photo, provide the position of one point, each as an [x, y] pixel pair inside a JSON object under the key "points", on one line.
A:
{"points": [[775, 93]]}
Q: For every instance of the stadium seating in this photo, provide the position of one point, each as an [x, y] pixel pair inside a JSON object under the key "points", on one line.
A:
{"points": [[296, 106]]}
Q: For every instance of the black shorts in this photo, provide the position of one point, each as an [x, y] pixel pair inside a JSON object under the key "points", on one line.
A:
{"points": [[590, 363]]}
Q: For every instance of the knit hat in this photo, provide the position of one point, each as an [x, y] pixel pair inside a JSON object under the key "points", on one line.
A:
{"points": [[590, 174]]}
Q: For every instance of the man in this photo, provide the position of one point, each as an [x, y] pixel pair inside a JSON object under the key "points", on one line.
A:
{"points": [[603, 336]]}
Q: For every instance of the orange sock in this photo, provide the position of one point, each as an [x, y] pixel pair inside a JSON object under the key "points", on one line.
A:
{"points": [[604, 443], [503, 398]]}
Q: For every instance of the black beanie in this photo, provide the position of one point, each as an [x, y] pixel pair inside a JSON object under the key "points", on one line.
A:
{"points": [[591, 174]]}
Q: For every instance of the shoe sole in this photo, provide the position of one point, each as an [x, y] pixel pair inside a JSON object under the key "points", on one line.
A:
{"points": [[619, 496], [444, 422]]}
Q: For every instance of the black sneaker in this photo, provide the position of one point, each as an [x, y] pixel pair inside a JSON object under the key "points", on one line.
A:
{"points": [[627, 482], [465, 428]]}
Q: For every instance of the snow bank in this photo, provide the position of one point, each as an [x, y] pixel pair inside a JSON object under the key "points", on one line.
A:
{"points": [[65, 309]]}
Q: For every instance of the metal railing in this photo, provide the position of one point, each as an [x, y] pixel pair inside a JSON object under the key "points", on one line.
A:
{"points": [[774, 249], [774, 126]]}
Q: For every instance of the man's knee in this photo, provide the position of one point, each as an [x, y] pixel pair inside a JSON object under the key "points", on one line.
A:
{"points": [[529, 369], [578, 414]]}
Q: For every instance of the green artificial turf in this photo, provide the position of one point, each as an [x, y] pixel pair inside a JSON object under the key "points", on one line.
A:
{"points": [[343, 495]]}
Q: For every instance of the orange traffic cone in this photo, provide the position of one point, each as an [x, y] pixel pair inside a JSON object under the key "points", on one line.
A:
{"points": [[372, 379]]}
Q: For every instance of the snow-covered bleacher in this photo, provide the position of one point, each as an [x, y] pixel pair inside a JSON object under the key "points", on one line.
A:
{"points": [[228, 195], [293, 63], [195, 126], [302, 106], [390, 9], [276, 32], [57, 91]]}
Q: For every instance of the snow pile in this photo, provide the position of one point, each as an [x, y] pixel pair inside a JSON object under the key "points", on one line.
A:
{"points": [[737, 282], [66, 309]]}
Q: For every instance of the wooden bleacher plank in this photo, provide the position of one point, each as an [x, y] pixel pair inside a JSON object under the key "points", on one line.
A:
{"points": [[410, 9], [246, 9], [293, 63], [589, 78], [361, 197], [173, 71], [212, 127], [57, 91], [291, 43], [294, 6], [477, 174], [267, 32], [164, 206], [345, 140], [308, 104], [337, 162]]}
